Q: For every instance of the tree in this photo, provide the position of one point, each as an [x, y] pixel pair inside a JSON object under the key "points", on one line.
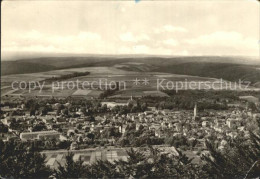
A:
{"points": [[39, 127], [92, 119], [143, 106], [16, 125], [32, 112], [123, 110], [104, 108], [104, 169], [64, 144], [239, 157], [91, 136], [252, 106], [116, 109], [58, 111], [44, 110], [71, 169], [83, 110], [19, 162], [65, 111], [135, 166], [3, 128]]}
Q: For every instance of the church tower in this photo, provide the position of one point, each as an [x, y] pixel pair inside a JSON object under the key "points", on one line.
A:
{"points": [[195, 111]]}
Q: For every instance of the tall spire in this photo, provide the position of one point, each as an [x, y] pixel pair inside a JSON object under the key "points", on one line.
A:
{"points": [[195, 110]]}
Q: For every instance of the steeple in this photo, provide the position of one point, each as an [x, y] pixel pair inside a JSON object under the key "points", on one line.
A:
{"points": [[195, 110]]}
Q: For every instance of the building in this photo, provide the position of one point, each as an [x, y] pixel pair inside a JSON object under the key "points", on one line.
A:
{"points": [[111, 104], [46, 135], [205, 124], [233, 123], [7, 121], [249, 99], [178, 127]]}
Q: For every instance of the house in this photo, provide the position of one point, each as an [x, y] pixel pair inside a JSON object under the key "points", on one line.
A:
{"points": [[232, 134], [148, 112], [122, 128], [234, 105], [256, 116], [7, 121], [232, 123], [151, 108], [178, 126], [158, 133], [155, 127], [137, 126], [205, 124], [201, 143], [166, 112]]}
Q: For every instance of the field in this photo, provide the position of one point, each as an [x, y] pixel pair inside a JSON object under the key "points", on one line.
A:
{"points": [[135, 83], [88, 156], [91, 155], [138, 93], [87, 93]]}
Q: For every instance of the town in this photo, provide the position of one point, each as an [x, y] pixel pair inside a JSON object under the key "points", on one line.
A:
{"points": [[101, 129], [130, 90]]}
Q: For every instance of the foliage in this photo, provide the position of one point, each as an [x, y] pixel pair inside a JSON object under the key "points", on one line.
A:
{"points": [[67, 76], [71, 169], [3, 128], [19, 162], [236, 160]]}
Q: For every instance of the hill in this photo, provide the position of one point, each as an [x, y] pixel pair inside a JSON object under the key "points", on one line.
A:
{"points": [[17, 67], [227, 71], [229, 68]]}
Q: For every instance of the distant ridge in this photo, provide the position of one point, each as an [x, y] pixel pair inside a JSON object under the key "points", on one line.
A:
{"points": [[229, 68]]}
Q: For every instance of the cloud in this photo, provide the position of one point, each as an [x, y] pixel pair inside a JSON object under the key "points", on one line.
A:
{"points": [[170, 28], [137, 49], [35, 41], [143, 49], [95, 27], [170, 42], [129, 37], [33, 34], [224, 39], [32, 48], [122, 9], [184, 53], [89, 36], [216, 43]]}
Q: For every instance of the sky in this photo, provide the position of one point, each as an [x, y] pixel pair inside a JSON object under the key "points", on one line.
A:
{"points": [[177, 28]]}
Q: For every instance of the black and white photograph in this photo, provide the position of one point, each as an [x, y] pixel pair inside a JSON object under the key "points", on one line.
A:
{"points": [[130, 89]]}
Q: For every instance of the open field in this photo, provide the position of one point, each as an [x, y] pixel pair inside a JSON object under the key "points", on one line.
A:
{"points": [[138, 93], [88, 156], [87, 93], [132, 83], [192, 68], [91, 155]]}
